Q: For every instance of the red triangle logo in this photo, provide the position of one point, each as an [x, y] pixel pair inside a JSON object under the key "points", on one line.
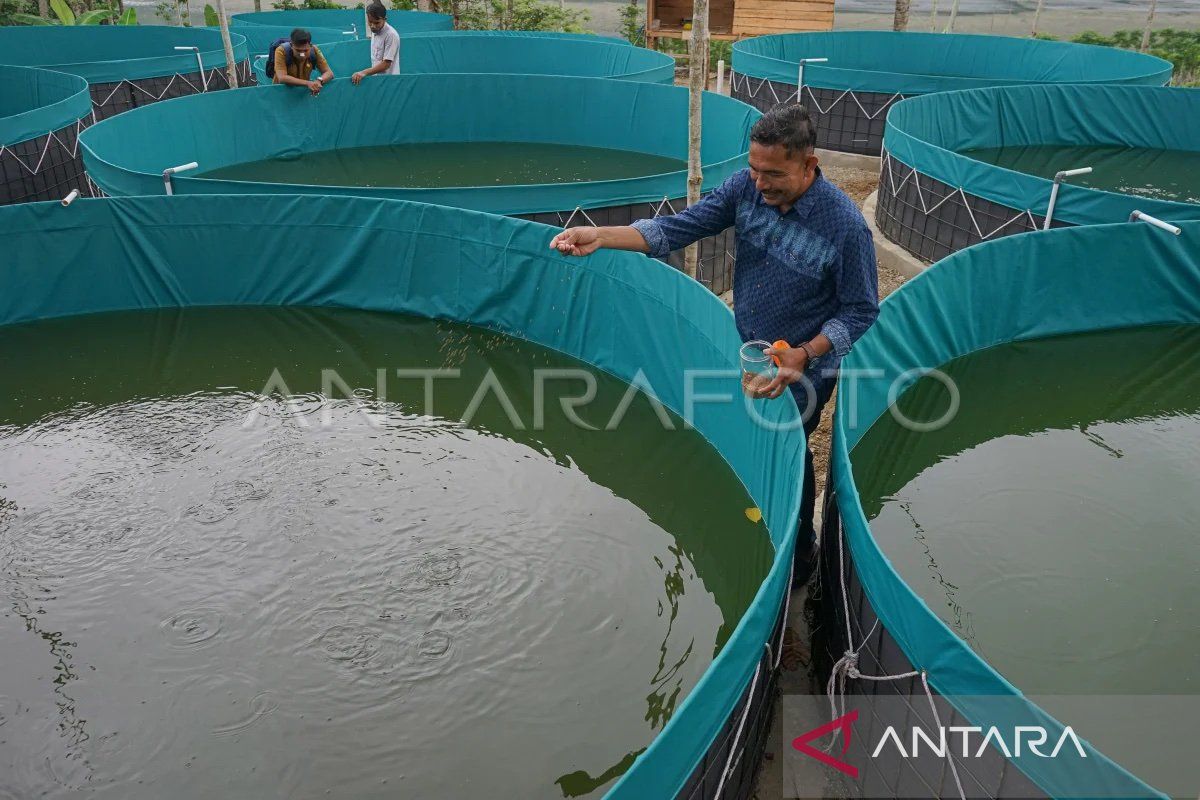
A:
{"points": [[842, 723]]}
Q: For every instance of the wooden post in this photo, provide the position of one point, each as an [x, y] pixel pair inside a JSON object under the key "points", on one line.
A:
{"points": [[697, 79], [230, 63], [1146, 31], [900, 19]]}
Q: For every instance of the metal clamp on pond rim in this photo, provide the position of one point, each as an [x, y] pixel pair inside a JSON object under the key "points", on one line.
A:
{"points": [[169, 171]]}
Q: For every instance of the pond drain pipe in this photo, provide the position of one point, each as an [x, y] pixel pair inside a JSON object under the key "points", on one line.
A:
{"points": [[1059, 177], [800, 75], [70, 198], [1138, 216], [200, 63], [169, 171]]}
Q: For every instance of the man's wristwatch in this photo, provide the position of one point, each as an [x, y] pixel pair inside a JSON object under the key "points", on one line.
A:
{"points": [[809, 352]]}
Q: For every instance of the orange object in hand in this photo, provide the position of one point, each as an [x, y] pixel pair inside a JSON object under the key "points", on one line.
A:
{"points": [[779, 344]]}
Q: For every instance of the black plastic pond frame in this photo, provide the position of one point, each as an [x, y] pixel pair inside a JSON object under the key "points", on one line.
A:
{"points": [[744, 734], [110, 99], [926, 776], [717, 253], [50, 166], [847, 122], [47, 167], [931, 219]]}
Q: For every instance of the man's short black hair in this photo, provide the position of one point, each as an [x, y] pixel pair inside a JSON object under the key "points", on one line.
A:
{"points": [[788, 125], [301, 36], [376, 11]]}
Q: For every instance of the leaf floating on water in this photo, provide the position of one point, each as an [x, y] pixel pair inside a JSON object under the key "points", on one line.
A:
{"points": [[754, 514]]}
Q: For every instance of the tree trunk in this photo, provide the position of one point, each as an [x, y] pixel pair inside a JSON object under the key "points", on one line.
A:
{"points": [[508, 23], [423, 5], [953, 16], [900, 20], [230, 64], [697, 80], [933, 16], [1037, 15], [43, 8], [1146, 31], [258, 5]]}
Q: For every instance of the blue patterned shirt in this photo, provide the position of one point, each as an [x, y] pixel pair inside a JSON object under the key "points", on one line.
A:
{"points": [[799, 274]]}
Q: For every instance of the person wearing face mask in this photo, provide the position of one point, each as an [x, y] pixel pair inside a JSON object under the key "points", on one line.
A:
{"points": [[805, 274], [385, 46]]}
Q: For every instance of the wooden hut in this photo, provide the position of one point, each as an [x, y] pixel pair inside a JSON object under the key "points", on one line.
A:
{"points": [[736, 19]]}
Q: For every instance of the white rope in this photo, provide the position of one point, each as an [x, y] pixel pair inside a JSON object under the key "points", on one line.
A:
{"points": [[579, 210], [737, 737], [207, 77], [72, 150], [748, 87], [664, 202], [846, 669], [868, 114], [890, 163], [938, 721]]}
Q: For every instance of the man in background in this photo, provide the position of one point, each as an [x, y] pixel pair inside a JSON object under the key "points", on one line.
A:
{"points": [[292, 62], [385, 46]]}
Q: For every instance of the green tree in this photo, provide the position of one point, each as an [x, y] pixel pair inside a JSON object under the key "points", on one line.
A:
{"points": [[64, 14], [633, 25], [1181, 48]]}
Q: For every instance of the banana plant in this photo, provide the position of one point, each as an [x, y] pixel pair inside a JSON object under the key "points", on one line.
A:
{"points": [[66, 16], [210, 17]]}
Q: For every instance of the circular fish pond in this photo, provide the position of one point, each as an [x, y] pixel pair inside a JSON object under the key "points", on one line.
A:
{"points": [[128, 66], [1011, 540], [41, 116], [963, 167], [852, 78], [485, 142], [340, 495]]}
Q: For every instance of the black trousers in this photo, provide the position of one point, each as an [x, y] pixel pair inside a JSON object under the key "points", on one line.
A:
{"points": [[807, 535]]}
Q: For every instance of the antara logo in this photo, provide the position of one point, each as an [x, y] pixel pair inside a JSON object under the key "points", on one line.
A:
{"points": [[1032, 737], [971, 741]]}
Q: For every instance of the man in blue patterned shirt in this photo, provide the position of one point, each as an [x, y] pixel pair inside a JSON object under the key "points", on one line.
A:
{"points": [[805, 270]]}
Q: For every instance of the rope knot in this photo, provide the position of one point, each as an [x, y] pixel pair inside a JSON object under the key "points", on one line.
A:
{"points": [[850, 664]]}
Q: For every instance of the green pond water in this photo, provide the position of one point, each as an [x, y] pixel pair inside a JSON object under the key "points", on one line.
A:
{"points": [[442, 164], [1053, 523], [241, 557], [1159, 174]]}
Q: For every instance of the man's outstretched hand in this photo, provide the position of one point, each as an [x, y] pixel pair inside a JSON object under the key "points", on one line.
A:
{"points": [[582, 241]]}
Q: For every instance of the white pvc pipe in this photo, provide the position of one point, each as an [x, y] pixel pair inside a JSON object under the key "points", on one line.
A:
{"points": [[199, 63], [720, 76], [800, 76], [1059, 177], [169, 171], [66, 201], [1138, 216]]}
